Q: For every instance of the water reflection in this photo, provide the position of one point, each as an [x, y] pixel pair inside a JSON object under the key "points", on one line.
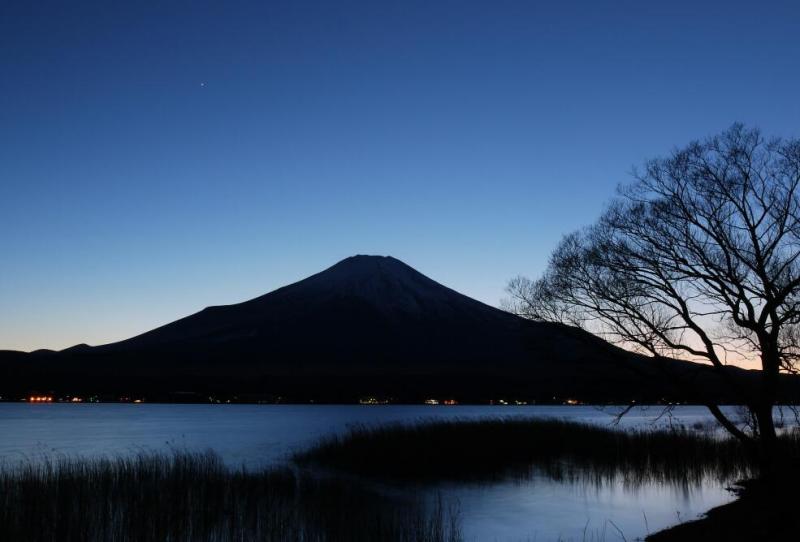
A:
{"points": [[540, 508]]}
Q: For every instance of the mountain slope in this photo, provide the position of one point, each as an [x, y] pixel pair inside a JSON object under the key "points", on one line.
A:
{"points": [[345, 309], [367, 325]]}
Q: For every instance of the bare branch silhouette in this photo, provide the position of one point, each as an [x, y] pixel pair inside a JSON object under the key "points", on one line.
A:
{"points": [[698, 258]]}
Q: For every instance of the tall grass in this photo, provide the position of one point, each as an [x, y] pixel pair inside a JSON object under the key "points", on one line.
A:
{"points": [[491, 449], [193, 496]]}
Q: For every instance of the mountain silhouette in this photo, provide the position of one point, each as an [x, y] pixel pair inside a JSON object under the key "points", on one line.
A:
{"points": [[369, 325]]}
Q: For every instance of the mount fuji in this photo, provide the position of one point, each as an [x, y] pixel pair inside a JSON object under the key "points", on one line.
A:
{"points": [[368, 325]]}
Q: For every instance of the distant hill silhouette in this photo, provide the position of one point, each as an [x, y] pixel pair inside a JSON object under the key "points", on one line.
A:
{"points": [[369, 325]]}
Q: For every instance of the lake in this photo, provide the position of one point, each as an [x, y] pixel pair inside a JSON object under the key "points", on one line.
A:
{"points": [[258, 435]]}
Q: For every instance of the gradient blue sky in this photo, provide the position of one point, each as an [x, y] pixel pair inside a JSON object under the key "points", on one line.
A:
{"points": [[156, 158]]}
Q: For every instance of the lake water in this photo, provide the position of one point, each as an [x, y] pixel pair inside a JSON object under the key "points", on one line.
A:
{"points": [[258, 435]]}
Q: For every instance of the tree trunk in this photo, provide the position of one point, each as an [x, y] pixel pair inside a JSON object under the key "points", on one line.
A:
{"points": [[767, 440]]}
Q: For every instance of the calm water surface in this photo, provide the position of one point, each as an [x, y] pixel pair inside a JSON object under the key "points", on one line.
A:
{"points": [[258, 435]]}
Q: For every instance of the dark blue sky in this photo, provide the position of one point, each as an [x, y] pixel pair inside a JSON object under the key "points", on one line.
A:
{"points": [[155, 159]]}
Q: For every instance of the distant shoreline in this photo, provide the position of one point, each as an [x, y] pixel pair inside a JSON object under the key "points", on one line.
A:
{"points": [[225, 400]]}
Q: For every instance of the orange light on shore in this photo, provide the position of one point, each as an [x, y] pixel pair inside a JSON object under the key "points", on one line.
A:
{"points": [[40, 399]]}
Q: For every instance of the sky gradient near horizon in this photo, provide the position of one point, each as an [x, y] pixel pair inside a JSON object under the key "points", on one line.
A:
{"points": [[156, 158]]}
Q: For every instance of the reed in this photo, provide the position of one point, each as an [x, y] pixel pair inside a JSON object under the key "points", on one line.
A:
{"points": [[194, 496], [464, 450]]}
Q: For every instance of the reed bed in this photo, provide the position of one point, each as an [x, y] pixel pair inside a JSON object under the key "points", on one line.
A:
{"points": [[194, 496], [186, 496], [481, 450]]}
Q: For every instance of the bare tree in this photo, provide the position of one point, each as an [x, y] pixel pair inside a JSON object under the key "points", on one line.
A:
{"points": [[697, 258]]}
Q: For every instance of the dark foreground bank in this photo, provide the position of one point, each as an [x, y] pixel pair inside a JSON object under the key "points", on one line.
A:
{"points": [[191, 497]]}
